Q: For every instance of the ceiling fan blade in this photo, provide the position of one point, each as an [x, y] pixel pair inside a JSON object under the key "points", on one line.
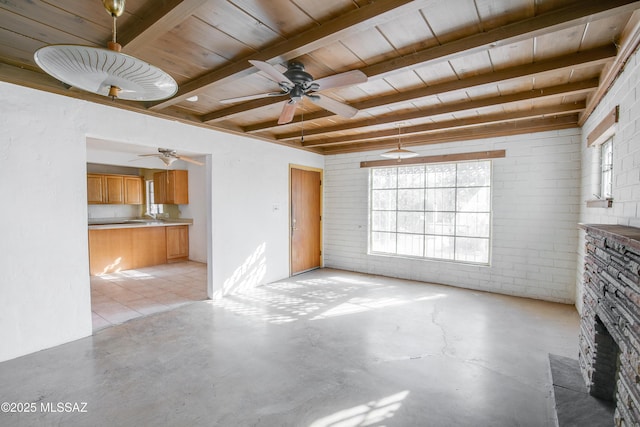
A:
{"points": [[190, 160], [288, 111], [271, 72], [149, 155], [250, 97], [343, 79], [334, 106]]}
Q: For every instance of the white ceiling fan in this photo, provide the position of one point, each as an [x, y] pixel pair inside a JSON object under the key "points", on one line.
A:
{"points": [[298, 84], [168, 156]]}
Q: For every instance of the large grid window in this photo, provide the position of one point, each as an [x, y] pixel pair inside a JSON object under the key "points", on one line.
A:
{"points": [[438, 211]]}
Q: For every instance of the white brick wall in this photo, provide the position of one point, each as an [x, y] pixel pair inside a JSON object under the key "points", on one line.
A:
{"points": [[536, 205], [625, 92]]}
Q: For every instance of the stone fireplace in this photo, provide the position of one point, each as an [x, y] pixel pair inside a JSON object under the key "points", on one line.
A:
{"points": [[609, 344]]}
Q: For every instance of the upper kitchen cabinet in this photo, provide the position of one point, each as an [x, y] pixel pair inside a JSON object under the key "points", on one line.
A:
{"points": [[114, 189], [95, 189], [132, 186], [171, 187]]}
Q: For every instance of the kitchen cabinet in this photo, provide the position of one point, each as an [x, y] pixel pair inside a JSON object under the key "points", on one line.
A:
{"points": [[114, 189], [116, 249], [112, 250], [132, 187], [95, 189], [177, 242], [171, 187]]}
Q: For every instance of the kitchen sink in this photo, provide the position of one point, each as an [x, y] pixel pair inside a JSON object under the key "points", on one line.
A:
{"points": [[127, 221], [143, 221]]}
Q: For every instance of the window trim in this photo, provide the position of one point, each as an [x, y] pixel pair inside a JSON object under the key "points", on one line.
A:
{"points": [[602, 134], [152, 208]]}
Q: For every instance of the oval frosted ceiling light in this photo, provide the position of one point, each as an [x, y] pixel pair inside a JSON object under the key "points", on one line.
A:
{"points": [[107, 72], [98, 70], [399, 153]]}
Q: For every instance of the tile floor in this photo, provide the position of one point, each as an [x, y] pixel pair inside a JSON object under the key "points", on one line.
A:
{"points": [[119, 297]]}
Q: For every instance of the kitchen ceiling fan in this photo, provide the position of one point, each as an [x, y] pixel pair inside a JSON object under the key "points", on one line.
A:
{"points": [[298, 84], [169, 156]]}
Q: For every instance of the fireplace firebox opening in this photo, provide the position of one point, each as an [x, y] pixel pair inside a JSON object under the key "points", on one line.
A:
{"points": [[606, 364]]}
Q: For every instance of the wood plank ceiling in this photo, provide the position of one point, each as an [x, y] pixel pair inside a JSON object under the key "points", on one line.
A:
{"points": [[438, 70]]}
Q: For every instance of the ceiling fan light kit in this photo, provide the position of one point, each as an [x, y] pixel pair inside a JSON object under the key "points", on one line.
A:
{"points": [[106, 72], [169, 155], [298, 84]]}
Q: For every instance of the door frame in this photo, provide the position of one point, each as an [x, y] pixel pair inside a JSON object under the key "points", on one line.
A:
{"points": [[312, 169]]}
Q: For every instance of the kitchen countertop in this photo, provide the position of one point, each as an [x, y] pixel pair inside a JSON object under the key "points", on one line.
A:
{"points": [[109, 223]]}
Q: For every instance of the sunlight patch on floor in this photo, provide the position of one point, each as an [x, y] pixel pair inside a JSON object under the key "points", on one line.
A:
{"points": [[316, 298], [364, 415]]}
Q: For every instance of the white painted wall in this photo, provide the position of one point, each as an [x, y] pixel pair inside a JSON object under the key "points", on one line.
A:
{"points": [[625, 92], [535, 214], [44, 275]]}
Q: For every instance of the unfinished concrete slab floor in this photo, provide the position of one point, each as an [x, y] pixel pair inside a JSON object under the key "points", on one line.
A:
{"points": [[326, 348]]}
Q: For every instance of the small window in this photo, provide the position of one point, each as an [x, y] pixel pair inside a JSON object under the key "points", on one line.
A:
{"points": [[606, 169], [152, 208]]}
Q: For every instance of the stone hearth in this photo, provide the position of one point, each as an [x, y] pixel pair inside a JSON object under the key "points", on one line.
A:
{"points": [[609, 353]]}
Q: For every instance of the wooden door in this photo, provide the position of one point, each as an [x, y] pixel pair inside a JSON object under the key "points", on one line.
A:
{"points": [[306, 213]]}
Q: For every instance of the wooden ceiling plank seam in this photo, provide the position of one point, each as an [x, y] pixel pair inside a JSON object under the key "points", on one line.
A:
{"points": [[19, 24], [552, 21], [599, 55], [302, 43], [38, 13], [157, 23], [467, 134], [230, 19], [543, 93], [554, 110]]}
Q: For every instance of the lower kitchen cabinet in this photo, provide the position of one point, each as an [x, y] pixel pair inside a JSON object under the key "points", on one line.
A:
{"points": [[116, 249], [177, 242]]}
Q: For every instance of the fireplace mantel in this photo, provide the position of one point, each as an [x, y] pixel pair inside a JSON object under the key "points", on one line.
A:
{"points": [[609, 352], [627, 236]]}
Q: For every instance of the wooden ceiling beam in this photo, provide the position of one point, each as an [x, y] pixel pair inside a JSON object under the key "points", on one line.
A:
{"points": [[349, 23], [580, 87], [567, 17], [163, 17], [588, 57], [561, 109], [487, 131]]}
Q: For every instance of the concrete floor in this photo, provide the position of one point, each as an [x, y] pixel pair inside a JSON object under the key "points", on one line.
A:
{"points": [[326, 348]]}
